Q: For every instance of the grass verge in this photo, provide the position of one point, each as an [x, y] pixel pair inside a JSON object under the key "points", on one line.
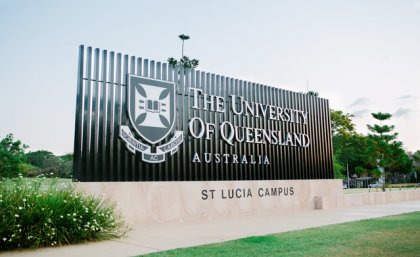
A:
{"points": [[390, 236]]}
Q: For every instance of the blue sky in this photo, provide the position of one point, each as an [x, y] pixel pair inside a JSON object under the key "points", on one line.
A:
{"points": [[364, 56]]}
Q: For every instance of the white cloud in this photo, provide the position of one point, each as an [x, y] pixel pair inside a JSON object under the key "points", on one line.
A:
{"points": [[402, 112], [360, 113], [405, 97], [359, 102]]}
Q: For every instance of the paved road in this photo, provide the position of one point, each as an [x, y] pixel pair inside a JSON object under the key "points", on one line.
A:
{"points": [[152, 238]]}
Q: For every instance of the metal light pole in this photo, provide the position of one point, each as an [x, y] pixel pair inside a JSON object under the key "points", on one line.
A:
{"points": [[348, 177], [347, 144]]}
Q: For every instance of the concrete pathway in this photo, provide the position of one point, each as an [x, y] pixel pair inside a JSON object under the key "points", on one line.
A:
{"points": [[153, 238]]}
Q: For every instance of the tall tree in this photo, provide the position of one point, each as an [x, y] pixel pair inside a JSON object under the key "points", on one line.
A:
{"points": [[184, 62], [51, 165], [388, 152], [12, 156], [40, 158], [183, 37], [342, 129]]}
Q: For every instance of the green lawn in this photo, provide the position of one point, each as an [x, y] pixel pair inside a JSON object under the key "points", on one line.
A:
{"points": [[389, 236]]}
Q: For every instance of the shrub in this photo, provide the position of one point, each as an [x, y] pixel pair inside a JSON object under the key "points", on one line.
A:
{"points": [[29, 170], [42, 212]]}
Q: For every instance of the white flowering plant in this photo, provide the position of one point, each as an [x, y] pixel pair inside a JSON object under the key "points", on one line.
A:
{"points": [[38, 212]]}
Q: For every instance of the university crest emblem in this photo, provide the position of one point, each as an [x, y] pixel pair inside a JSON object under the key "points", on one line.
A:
{"points": [[151, 107]]}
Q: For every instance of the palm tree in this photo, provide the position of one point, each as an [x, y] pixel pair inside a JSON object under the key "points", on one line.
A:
{"points": [[183, 37], [185, 61]]}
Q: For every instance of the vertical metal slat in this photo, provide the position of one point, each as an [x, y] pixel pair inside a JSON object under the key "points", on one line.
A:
{"points": [[77, 161]]}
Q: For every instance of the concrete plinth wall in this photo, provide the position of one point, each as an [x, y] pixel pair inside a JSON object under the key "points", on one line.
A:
{"points": [[166, 202], [363, 199]]}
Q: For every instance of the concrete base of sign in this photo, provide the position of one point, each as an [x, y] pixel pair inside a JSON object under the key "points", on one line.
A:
{"points": [[166, 202]]}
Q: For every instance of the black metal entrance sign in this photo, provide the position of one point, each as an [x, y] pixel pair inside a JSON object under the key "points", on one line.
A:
{"points": [[141, 120]]}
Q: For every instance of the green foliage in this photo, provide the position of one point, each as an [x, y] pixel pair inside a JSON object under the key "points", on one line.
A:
{"points": [[185, 62], [12, 156], [356, 150], [66, 167], [362, 152], [381, 116], [338, 168], [416, 156], [14, 161], [184, 37], [382, 132], [390, 153], [343, 133], [341, 124], [359, 170], [380, 129], [67, 157], [398, 160], [312, 93], [40, 158], [29, 170], [50, 164], [376, 173], [34, 213]]}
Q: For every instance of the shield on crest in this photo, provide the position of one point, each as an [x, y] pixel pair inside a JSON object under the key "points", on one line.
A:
{"points": [[151, 107]]}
